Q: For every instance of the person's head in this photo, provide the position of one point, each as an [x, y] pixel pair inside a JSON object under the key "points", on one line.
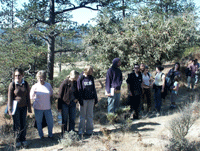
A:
{"points": [[146, 69], [73, 76], [190, 61], [116, 62], [136, 68], [177, 66], [88, 70], [176, 78], [142, 67], [195, 61], [159, 68], [41, 76], [18, 75]]}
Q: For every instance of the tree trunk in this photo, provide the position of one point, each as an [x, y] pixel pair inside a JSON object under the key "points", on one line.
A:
{"points": [[51, 43], [50, 57]]}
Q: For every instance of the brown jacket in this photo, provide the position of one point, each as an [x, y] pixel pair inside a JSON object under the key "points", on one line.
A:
{"points": [[19, 92], [66, 90]]}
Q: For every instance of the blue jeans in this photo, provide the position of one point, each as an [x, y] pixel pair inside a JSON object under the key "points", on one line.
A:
{"points": [[49, 120], [19, 126], [69, 111], [158, 98], [113, 102]]}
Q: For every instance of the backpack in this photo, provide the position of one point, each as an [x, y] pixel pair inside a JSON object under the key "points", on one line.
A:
{"points": [[187, 72]]}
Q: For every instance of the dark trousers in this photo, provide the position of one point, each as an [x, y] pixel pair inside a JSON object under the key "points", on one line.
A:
{"points": [[19, 123], [158, 98], [69, 116], [134, 102], [147, 95]]}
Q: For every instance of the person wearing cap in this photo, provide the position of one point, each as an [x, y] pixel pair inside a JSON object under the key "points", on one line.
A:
{"points": [[67, 99], [87, 99], [114, 80]]}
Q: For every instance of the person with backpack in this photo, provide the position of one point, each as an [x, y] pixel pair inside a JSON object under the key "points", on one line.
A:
{"points": [[67, 99], [135, 84], [147, 79], [113, 82], [159, 87], [87, 99], [18, 91], [174, 92], [175, 71], [40, 94]]}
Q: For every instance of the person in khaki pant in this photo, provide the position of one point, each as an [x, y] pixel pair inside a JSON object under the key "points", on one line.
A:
{"points": [[87, 99]]}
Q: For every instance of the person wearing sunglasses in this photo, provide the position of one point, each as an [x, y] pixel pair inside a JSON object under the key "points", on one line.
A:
{"points": [[135, 83]]}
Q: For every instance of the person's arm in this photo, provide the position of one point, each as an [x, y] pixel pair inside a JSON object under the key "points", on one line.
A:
{"points": [[108, 82], [163, 86], [28, 98], [80, 90], [95, 92], [128, 86], [60, 96], [10, 98], [129, 91]]}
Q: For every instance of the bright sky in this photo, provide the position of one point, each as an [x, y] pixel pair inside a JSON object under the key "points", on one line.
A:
{"points": [[84, 16]]}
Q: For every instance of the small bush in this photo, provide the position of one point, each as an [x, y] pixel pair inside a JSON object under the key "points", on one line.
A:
{"points": [[69, 139], [121, 119], [179, 128]]}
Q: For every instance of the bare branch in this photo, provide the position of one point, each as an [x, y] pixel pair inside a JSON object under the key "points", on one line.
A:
{"points": [[39, 21], [64, 50], [78, 7]]}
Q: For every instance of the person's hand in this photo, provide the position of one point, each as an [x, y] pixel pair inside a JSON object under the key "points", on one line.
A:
{"points": [[10, 113], [59, 110], [162, 90], [129, 93], [29, 111], [76, 100], [109, 94]]}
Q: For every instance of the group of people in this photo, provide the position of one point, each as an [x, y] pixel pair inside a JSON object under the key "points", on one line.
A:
{"points": [[81, 88], [75, 88], [139, 83]]}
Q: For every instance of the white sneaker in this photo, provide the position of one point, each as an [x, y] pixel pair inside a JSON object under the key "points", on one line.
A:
{"points": [[18, 144], [25, 143]]}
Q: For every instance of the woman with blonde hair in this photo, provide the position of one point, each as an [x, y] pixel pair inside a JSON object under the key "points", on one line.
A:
{"points": [[41, 93], [67, 99], [87, 100]]}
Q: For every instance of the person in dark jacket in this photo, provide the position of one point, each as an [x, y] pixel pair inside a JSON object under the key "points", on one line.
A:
{"points": [[135, 83], [19, 91], [87, 99], [175, 71], [67, 99], [114, 81]]}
